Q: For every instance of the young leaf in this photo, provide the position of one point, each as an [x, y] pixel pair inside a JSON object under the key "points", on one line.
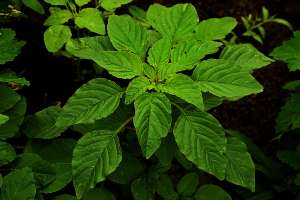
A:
{"points": [[91, 19], [143, 188], [289, 52], [42, 124], [11, 77], [56, 2], [165, 188], [129, 169], [120, 64], [99, 193], [110, 5], [86, 47], [7, 153], [282, 22], [209, 192], [96, 155], [8, 98], [265, 13], [9, 46], [19, 185], [58, 16], [288, 118], [136, 87], [215, 28], [131, 36], [159, 53], [240, 168], [94, 100], [185, 88], [201, 138], [56, 36], [188, 184], [82, 2], [34, 5], [152, 121], [176, 22], [3, 119], [224, 79], [246, 56], [16, 117]]}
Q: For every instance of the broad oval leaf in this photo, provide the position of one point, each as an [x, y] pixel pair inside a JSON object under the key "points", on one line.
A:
{"points": [[165, 188], [9, 46], [8, 98], [246, 56], [136, 87], [143, 188], [128, 35], [224, 79], [188, 184], [7, 153], [240, 168], [58, 16], [91, 19], [209, 192], [120, 64], [111, 5], [34, 5], [185, 88], [42, 124], [82, 2], [56, 36], [11, 77], [201, 138], [152, 121], [176, 23], [215, 28], [94, 100], [159, 53], [96, 155], [19, 185], [289, 52]]}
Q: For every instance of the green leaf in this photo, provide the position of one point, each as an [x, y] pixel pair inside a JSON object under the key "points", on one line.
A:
{"points": [[43, 171], [19, 185], [138, 13], [7, 153], [201, 138], [91, 19], [159, 53], [131, 36], [56, 2], [291, 158], [152, 121], [96, 155], [224, 79], [16, 117], [94, 100], [209, 192], [188, 184], [254, 35], [56, 36], [185, 88], [9, 46], [58, 16], [34, 5], [11, 77], [111, 5], [143, 188], [8, 98], [129, 169], [64, 197], [176, 23], [215, 28], [289, 52], [99, 193], [240, 168], [166, 153], [246, 56], [3, 119], [289, 115], [211, 101], [82, 2], [186, 55], [42, 124], [293, 85], [112, 122], [265, 13], [165, 188], [85, 47], [137, 87], [282, 22], [120, 64]]}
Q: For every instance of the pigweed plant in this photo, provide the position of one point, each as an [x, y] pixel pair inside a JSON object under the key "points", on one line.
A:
{"points": [[176, 68]]}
